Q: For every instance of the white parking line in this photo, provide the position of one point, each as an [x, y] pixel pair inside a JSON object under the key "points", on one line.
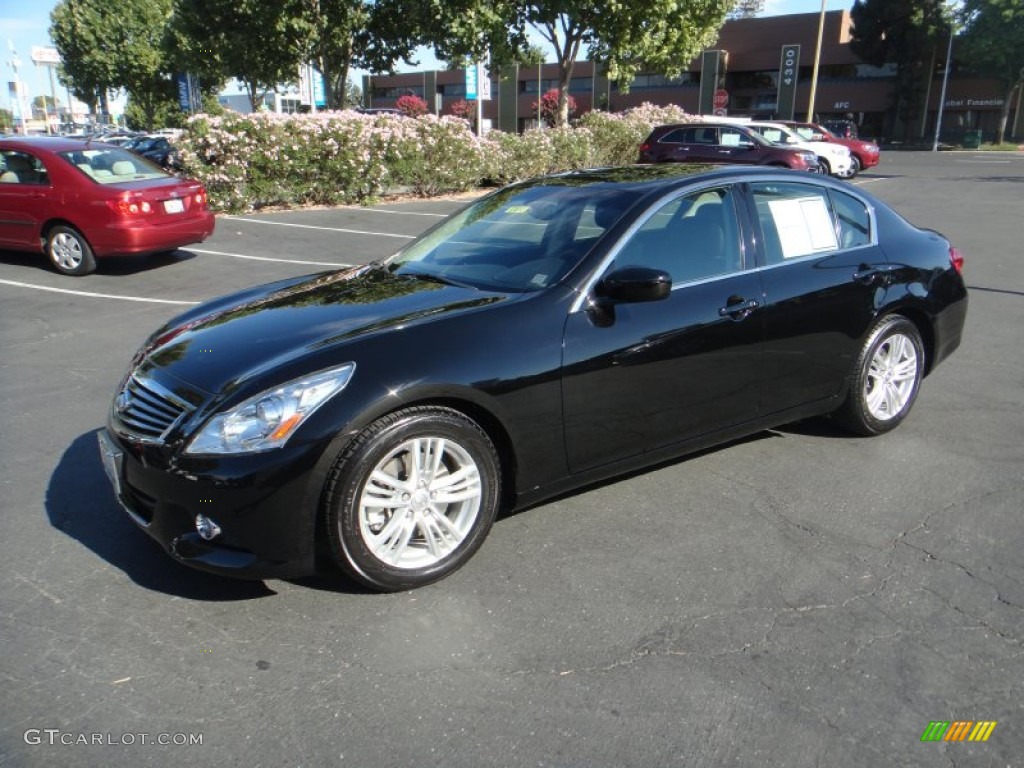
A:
{"points": [[93, 295], [269, 258], [405, 213], [313, 226]]}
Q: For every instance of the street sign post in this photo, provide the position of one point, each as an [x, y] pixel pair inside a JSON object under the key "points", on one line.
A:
{"points": [[789, 74]]}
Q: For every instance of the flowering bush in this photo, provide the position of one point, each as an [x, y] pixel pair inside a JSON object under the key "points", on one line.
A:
{"points": [[411, 106], [464, 109], [250, 161], [431, 155], [549, 106], [616, 136]]}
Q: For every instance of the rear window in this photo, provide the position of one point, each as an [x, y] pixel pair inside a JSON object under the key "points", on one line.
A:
{"points": [[109, 165]]}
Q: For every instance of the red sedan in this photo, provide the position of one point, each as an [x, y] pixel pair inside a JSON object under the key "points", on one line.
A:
{"points": [[77, 201], [864, 153]]}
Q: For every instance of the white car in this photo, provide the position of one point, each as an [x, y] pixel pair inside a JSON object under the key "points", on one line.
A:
{"points": [[835, 159]]}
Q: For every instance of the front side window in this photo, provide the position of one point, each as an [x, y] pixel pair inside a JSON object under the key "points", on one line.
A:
{"points": [[694, 237], [800, 220]]}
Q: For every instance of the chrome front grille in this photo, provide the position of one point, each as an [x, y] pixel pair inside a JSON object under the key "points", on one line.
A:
{"points": [[148, 411]]}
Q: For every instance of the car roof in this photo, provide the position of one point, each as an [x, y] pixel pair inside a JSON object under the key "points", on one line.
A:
{"points": [[653, 177], [47, 143]]}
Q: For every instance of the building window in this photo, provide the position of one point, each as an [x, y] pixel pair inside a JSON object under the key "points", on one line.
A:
{"points": [[650, 82], [576, 84], [395, 92], [765, 78]]}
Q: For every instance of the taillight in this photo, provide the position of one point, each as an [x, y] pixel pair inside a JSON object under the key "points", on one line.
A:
{"points": [[200, 197], [130, 207], [644, 147], [956, 259]]}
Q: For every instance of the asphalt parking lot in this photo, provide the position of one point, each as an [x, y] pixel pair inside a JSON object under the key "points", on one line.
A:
{"points": [[799, 598]]}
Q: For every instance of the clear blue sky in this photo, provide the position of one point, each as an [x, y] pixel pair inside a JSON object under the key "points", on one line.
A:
{"points": [[26, 23]]}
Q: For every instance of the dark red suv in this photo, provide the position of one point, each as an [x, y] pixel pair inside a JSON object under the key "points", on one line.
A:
{"points": [[721, 143]]}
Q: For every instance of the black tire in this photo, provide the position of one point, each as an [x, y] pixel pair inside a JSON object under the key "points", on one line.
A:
{"points": [[380, 453], [885, 379], [857, 167], [826, 169], [69, 252]]}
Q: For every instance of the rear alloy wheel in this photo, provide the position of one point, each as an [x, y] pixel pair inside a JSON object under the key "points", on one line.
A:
{"points": [[69, 251], [886, 378], [826, 169], [412, 498], [856, 166]]}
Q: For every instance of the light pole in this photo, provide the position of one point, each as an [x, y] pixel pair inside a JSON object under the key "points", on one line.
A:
{"points": [[942, 95], [15, 62], [817, 63]]}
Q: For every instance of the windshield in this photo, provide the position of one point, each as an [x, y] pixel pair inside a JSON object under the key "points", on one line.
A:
{"points": [[110, 165], [521, 239]]}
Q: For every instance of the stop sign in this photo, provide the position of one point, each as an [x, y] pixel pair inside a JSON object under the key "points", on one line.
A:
{"points": [[721, 98]]}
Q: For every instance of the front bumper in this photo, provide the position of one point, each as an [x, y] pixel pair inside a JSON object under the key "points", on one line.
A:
{"points": [[266, 506]]}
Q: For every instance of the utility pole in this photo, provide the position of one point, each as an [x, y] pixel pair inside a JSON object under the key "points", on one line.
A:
{"points": [[817, 64], [942, 97], [19, 102]]}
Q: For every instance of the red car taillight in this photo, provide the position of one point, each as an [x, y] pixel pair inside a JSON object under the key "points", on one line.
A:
{"points": [[956, 259], [644, 147], [200, 197], [130, 207]]}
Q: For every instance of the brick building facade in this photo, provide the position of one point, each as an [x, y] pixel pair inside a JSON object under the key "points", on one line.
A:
{"points": [[847, 87]]}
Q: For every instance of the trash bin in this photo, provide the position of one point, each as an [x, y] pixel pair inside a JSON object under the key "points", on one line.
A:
{"points": [[972, 139]]}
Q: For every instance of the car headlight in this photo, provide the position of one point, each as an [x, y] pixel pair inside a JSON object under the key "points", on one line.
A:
{"points": [[266, 421]]}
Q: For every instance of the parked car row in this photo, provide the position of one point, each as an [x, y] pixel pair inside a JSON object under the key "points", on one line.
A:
{"points": [[780, 143]]}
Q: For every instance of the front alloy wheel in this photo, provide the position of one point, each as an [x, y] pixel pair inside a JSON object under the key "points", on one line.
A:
{"points": [[412, 498], [886, 379]]}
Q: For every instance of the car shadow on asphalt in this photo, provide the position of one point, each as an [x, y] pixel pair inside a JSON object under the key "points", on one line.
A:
{"points": [[110, 265], [131, 265], [80, 503]]}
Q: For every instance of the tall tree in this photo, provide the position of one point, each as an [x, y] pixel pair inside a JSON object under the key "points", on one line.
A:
{"points": [[80, 30], [663, 35], [746, 9], [260, 43], [903, 33], [341, 35], [993, 45], [107, 46]]}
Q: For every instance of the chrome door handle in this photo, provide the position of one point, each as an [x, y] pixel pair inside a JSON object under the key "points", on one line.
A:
{"points": [[740, 310]]}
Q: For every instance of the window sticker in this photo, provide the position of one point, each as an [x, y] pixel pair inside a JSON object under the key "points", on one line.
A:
{"points": [[804, 226], [730, 139], [518, 209]]}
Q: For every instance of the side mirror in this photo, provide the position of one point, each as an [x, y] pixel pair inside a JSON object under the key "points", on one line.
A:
{"points": [[635, 284]]}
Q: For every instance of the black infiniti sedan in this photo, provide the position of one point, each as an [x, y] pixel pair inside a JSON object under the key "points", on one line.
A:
{"points": [[553, 333]]}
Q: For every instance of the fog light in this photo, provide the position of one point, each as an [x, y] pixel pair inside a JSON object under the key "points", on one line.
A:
{"points": [[208, 529]]}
